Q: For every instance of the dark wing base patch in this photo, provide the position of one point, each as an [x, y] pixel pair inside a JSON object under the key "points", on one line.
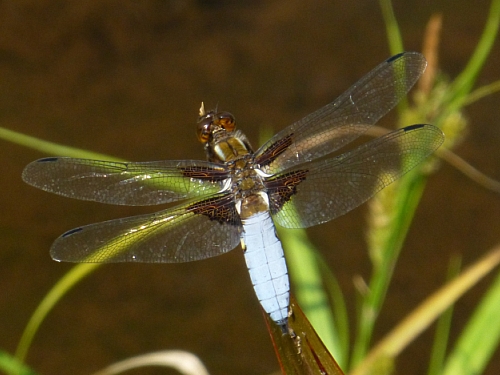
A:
{"points": [[221, 209], [281, 188]]}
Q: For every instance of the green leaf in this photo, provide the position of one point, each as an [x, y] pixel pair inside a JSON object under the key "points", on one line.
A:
{"points": [[10, 365], [480, 337], [307, 282], [72, 277]]}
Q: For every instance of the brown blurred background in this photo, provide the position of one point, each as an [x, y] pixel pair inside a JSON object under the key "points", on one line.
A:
{"points": [[126, 78]]}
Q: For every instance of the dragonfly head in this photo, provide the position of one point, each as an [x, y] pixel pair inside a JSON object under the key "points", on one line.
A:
{"points": [[212, 122]]}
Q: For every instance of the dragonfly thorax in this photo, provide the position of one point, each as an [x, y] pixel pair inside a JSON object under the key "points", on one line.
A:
{"points": [[229, 148], [246, 181], [216, 130]]}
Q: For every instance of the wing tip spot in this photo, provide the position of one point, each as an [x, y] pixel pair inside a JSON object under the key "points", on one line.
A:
{"points": [[395, 57], [71, 232], [413, 127], [49, 159]]}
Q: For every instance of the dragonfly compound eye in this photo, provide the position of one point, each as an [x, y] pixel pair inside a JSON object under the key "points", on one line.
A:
{"points": [[226, 120], [204, 131]]}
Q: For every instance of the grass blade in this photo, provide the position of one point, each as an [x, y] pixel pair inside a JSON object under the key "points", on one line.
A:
{"points": [[480, 337]]}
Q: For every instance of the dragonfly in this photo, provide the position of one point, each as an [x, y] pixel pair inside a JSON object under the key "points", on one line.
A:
{"points": [[295, 179]]}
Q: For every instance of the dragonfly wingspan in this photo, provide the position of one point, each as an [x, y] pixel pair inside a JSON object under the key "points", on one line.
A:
{"points": [[322, 190], [346, 118], [293, 176], [124, 183], [192, 231]]}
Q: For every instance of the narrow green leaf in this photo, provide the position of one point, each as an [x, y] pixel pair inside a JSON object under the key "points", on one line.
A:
{"points": [[72, 277], [50, 148], [461, 86], [409, 190], [480, 337], [338, 303], [391, 27], [308, 288], [439, 347], [420, 318], [10, 365]]}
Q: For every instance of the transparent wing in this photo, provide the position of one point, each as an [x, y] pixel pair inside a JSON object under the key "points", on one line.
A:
{"points": [[197, 230], [343, 120], [322, 190], [133, 184]]}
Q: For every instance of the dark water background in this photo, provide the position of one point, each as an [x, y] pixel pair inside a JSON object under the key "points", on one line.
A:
{"points": [[126, 78]]}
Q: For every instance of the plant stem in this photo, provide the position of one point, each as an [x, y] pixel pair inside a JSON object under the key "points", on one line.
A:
{"points": [[71, 278], [410, 189]]}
